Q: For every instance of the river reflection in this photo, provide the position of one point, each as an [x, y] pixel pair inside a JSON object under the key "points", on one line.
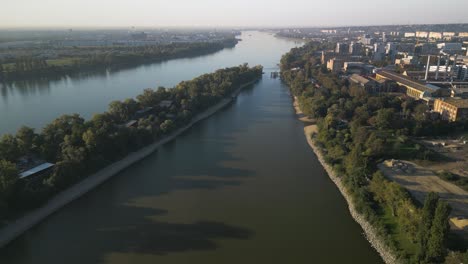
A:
{"points": [[240, 187]]}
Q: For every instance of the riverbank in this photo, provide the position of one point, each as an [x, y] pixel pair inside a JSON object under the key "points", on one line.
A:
{"points": [[79, 66], [15, 229], [369, 230]]}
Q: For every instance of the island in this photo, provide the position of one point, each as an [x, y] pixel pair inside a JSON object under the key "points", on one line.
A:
{"points": [[41, 172]]}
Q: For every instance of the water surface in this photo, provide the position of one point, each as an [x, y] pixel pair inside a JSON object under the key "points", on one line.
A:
{"points": [[240, 187]]}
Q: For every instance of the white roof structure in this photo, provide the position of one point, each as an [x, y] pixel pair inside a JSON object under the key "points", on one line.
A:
{"points": [[42, 167]]}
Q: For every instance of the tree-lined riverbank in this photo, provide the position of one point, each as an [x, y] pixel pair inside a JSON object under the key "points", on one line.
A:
{"points": [[79, 148], [19, 226], [369, 231]]}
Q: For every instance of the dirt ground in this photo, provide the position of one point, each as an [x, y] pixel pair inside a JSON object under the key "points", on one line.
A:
{"points": [[299, 113], [419, 181], [455, 149]]}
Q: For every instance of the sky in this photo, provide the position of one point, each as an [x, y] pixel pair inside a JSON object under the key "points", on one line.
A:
{"points": [[228, 13]]}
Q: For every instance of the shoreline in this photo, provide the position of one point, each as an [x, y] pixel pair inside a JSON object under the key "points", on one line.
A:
{"points": [[13, 230], [369, 230]]}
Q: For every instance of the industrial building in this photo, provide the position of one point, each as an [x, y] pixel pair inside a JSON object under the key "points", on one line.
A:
{"points": [[452, 109], [414, 89]]}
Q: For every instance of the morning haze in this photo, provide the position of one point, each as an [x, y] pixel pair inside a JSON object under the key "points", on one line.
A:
{"points": [[216, 13], [232, 132]]}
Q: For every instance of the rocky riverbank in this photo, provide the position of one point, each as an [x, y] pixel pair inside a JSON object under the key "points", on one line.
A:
{"points": [[369, 230], [21, 225]]}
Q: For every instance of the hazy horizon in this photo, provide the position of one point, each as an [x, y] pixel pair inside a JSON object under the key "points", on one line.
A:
{"points": [[241, 13]]}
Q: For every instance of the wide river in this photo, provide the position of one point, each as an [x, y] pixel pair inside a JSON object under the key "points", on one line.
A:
{"points": [[240, 187]]}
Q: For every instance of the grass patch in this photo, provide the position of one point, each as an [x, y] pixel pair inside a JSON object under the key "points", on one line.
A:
{"points": [[399, 238]]}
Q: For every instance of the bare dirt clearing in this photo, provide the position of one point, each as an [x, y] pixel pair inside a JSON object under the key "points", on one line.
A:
{"points": [[420, 181]]}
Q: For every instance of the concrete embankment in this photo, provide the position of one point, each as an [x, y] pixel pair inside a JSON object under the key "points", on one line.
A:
{"points": [[369, 230], [21, 225]]}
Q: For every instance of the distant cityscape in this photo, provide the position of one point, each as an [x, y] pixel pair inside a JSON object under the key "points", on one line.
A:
{"points": [[427, 62]]}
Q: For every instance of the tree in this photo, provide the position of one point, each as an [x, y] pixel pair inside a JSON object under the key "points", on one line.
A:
{"points": [[54, 134], [436, 249], [419, 112], [375, 146], [427, 217], [384, 118], [123, 111], [25, 137], [167, 126], [8, 178], [148, 98], [9, 148]]}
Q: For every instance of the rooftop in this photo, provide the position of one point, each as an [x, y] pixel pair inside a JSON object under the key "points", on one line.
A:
{"points": [[35, 170], [458, 102], [358, 79], [405, 80]]}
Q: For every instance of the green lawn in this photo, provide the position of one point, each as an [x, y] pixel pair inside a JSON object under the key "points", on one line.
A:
{"points": [[400, 238]]}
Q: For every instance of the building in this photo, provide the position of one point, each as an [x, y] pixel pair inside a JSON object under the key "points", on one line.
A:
{"points": [[355, 48], [463, 34], [406, 47], [452, 109], [143, 112], [435, 35], [367, 40], [422, 34], [409, 60], [326, 56], [444, 73], [449, 34], [414, 89], [342, 48], [131, 123], [450, 47], [165, 104], [410, 35], [328, 31], [369, 85], [426, 48], [358, 67], [461, 72], [459, 92], [37, 172], [335, 65]]}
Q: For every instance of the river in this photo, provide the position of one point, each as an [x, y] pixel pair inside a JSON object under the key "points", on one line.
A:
{"points": [[240, 187]]}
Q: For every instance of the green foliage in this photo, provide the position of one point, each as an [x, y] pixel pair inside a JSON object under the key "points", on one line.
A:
{"points": [[357, 130], [79, 148], [8, 178], [436, 248], [92, 58]]}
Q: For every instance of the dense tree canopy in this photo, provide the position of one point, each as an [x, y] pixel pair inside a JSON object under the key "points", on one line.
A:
{"points": [[79, 147], [358, 130]]}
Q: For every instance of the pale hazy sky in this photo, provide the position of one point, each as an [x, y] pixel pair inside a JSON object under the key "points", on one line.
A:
{"points": [[217, 13]]}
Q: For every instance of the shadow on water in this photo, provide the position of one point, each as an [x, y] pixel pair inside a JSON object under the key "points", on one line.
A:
{"points": [[131, 230], [124, 217], [29, 87]]}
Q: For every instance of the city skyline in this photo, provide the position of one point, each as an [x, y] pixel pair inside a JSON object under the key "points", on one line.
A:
{"points": [[242, 13]]}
